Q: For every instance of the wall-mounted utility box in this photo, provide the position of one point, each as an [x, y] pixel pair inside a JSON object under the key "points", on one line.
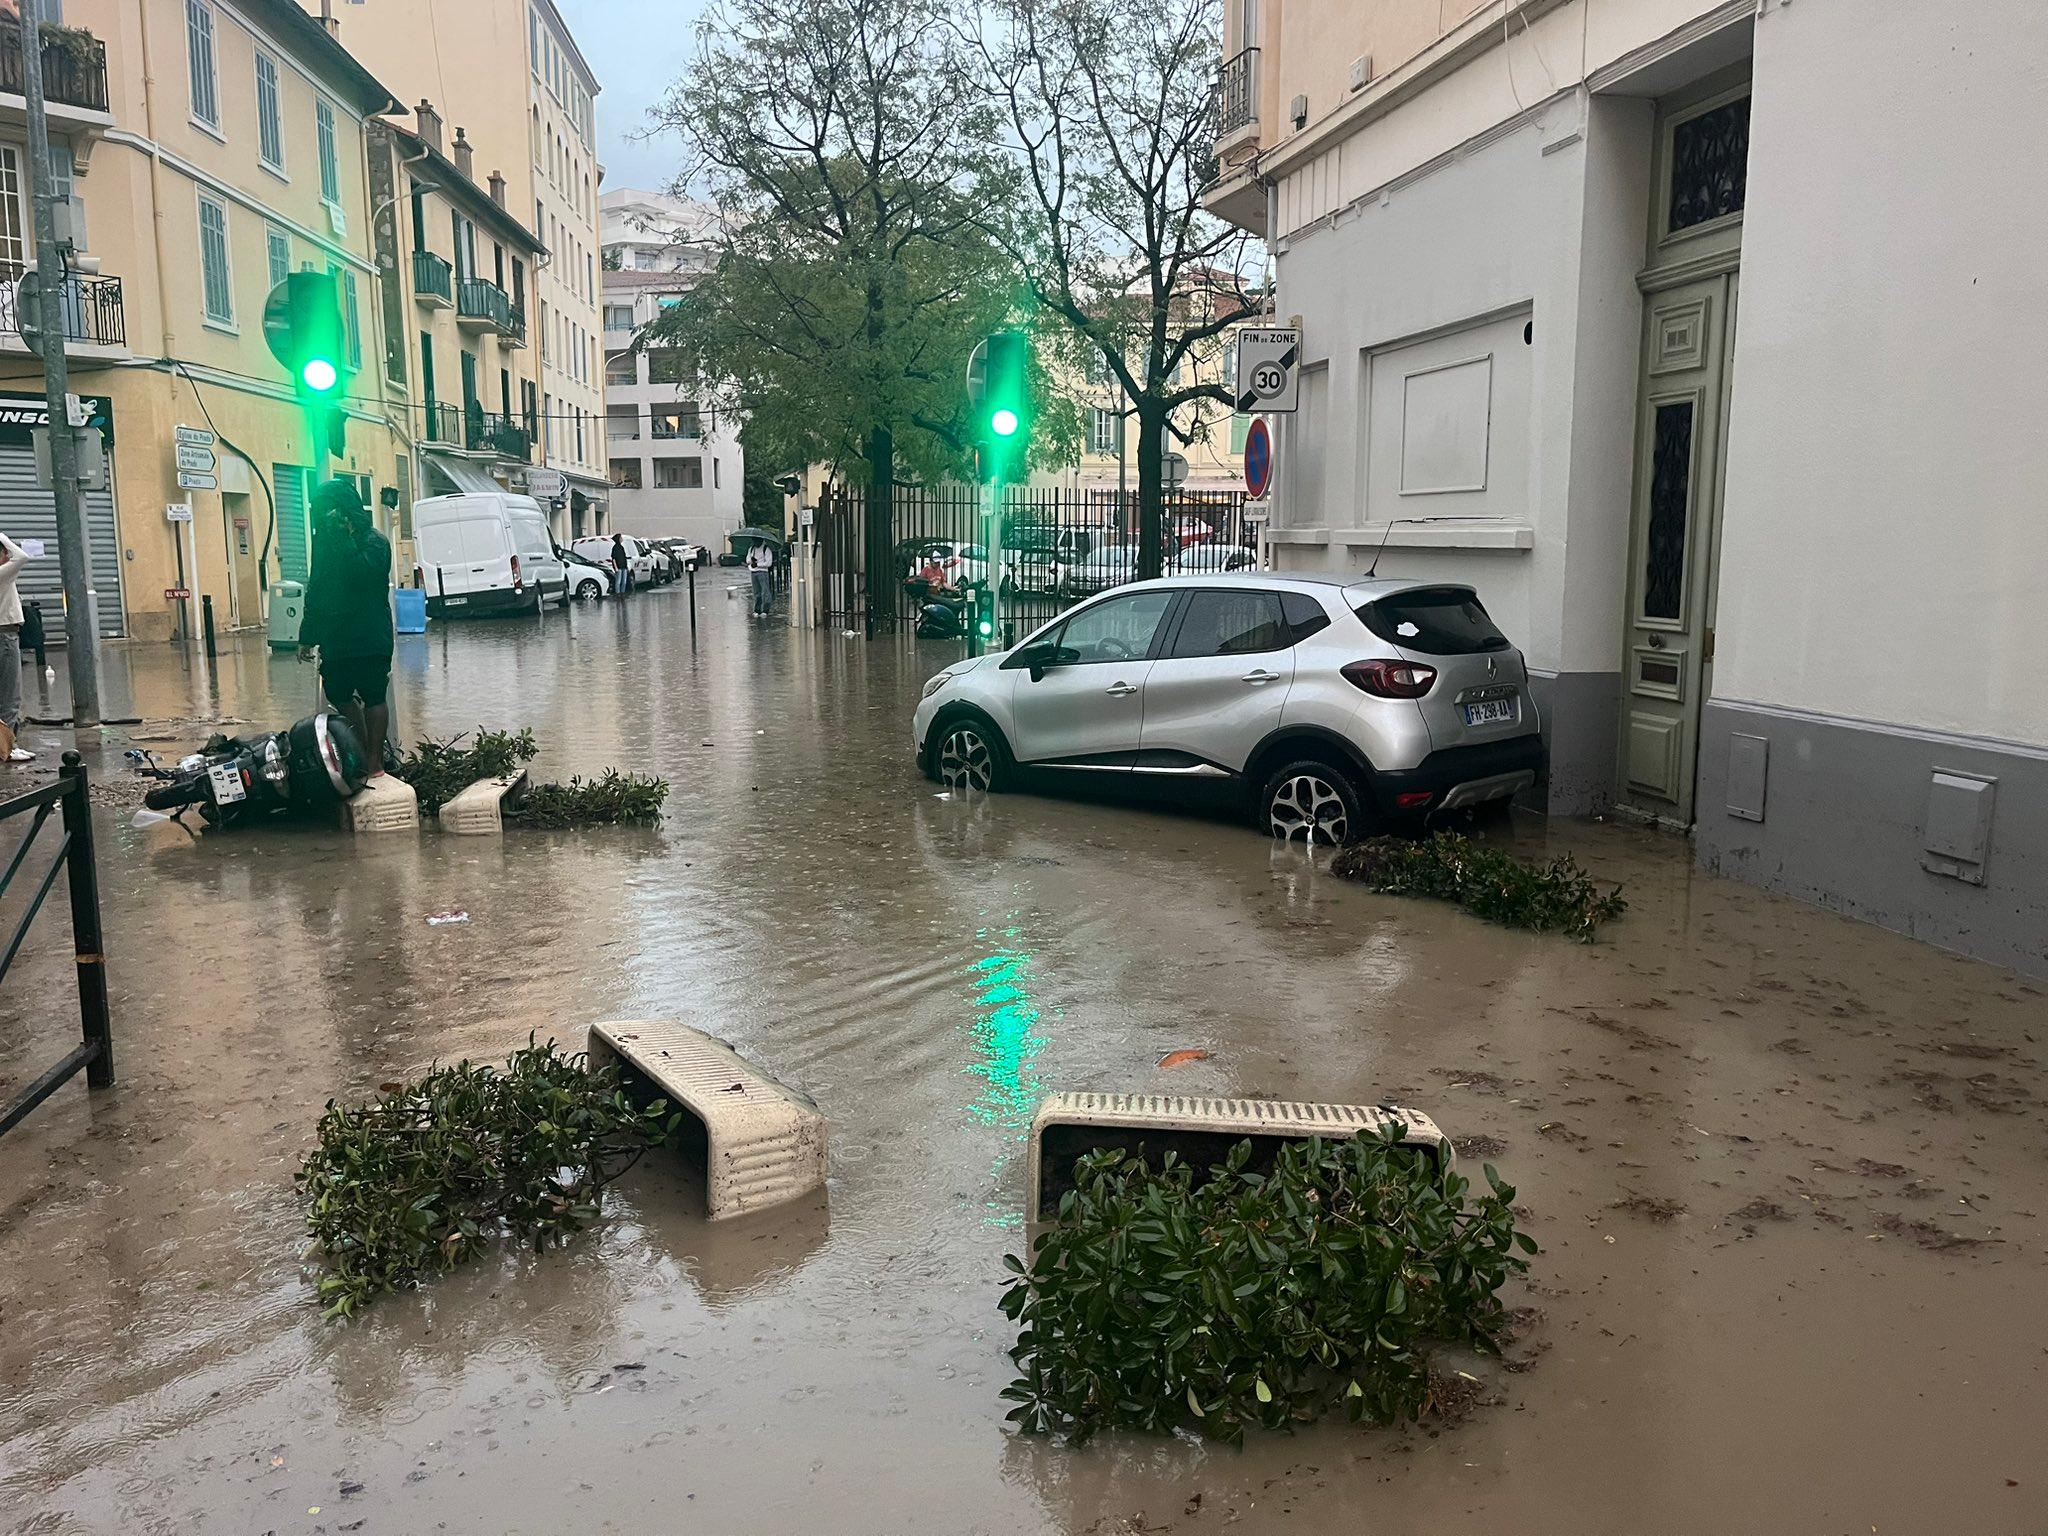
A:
{"points": [[1749, 759], [1361, 72], [1958, 837]]}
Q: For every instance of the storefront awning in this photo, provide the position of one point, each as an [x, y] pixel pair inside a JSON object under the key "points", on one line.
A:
{"points": [[465, 476]]}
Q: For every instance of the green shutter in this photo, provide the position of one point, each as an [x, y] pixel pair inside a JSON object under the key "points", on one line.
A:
{"points": [[1240, 428]]}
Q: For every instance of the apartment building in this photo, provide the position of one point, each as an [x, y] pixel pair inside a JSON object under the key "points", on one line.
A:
{"points": [[458, 348], [675, 460], [1686, 331], [506, 73], [205, 149]]}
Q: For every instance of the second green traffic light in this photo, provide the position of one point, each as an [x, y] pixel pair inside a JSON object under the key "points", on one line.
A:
{"points": [[1006, 403], [302, 322]]}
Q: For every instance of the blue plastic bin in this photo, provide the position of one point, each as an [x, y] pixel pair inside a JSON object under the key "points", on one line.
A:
{"points": [[411, 611]]}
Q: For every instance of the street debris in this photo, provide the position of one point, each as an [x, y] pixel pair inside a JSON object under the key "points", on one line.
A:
{"points": [[1487, 882], [1182, 1058], [442, 919]]}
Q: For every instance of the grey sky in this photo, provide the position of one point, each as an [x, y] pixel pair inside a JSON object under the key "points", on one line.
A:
{"points": [[636, 48]]}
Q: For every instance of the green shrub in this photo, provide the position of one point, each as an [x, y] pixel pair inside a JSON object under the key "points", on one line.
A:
{"points": [[421, 1179], [1554, 897], [438, 771], [1160, 1303], [617, 797]]}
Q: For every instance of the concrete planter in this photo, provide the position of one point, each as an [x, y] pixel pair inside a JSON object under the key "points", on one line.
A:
{"points": [[480, 809], [386, 804]]}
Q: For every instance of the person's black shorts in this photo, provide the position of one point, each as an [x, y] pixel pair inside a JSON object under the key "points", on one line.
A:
{"points": [[355, 679]]}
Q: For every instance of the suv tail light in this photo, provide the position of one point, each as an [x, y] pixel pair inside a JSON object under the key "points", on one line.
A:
{"points": [[516, 581], [1391, 679]]}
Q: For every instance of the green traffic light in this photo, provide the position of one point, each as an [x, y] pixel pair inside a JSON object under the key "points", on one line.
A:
{"points": [[1003, 423], [319, 375], [987, 628]]}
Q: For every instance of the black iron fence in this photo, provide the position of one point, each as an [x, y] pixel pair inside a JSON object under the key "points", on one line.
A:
{"points": [[73, 856], [1058, 546]]}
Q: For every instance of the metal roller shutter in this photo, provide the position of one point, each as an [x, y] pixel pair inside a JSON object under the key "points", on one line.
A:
{"points": [[289, 483], [29, 511]]}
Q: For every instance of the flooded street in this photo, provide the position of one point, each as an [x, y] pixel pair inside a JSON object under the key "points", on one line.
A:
{"points": [[1787, 1170]]}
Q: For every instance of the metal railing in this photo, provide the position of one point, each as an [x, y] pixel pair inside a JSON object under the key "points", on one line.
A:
{"points": [[1237, 93], [74, 856], [514, 328], [432, 276], [489, 432], [74, 65], [478, 298], [93, 308]]}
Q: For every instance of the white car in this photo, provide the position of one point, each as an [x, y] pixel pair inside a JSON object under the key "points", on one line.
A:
{"points": [[1209, 558], [1103, 567], [639, 558], [1327, 706]]}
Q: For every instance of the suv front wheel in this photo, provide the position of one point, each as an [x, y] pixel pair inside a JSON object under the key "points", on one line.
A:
{"points": [[1312, 802], [969, 754]]}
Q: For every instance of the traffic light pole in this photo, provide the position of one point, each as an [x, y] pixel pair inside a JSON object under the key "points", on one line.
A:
{"points": [[81, 644]]}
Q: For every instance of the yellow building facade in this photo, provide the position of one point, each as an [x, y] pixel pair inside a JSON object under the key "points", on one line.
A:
{"points": [[208, 148]]}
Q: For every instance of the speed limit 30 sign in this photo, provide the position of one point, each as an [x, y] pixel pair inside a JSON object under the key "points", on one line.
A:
{"points": [[1268, 369]]}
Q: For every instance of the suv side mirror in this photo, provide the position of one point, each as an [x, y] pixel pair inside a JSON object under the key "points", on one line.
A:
{"points": [[1036, 659]]}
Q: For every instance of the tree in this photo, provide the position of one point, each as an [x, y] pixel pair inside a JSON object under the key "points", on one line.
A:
{"points": [[1105, 105], [853, 277]]}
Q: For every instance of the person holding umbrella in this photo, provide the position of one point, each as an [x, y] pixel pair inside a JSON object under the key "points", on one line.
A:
{"points": [[761, 567]]}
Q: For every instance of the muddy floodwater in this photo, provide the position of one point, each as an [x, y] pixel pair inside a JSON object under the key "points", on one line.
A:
{"points": [[1787, 1170]]}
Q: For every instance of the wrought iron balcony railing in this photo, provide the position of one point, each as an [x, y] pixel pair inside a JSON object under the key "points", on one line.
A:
{"points": [[74, 65], [433, 279], [1237, 91], [92, 307], [489, 432]]}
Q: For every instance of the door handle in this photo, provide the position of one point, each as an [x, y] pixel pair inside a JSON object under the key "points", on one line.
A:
{"points": [[1120, 690], [1261, 675]]}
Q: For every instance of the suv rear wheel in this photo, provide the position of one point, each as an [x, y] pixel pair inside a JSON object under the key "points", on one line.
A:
{"points": [[1312, 802], [970, 755]]}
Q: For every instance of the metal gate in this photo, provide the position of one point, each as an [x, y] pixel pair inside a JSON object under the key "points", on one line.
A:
{"points": [[28, 511], [1059, 546]]}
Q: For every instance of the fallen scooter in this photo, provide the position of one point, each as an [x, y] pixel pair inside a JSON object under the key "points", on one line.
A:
{"points": [[308, 769]]}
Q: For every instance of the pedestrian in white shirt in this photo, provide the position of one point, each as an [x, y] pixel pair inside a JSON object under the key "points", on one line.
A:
{"points": [[12, 558], [761, 567]]}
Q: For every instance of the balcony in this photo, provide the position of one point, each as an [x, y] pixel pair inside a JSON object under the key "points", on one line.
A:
{"points": [[1235, 101], [441, 423], [92, 309], [481, 305], [74, 66], [433, 280], [487, 432]]}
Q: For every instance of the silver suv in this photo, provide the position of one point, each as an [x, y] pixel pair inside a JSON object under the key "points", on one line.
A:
{"points": [[1331, 706]]}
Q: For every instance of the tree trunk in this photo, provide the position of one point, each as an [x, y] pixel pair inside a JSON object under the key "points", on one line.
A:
{"points": [[1151, 492], [879, 532]]}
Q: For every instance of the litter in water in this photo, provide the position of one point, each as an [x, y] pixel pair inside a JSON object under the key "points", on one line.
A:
{"points": [[436, 919]]}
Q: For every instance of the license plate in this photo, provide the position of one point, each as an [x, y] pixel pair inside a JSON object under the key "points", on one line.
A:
{"points": [[227, 784], [1490, 712], [454, 602]]}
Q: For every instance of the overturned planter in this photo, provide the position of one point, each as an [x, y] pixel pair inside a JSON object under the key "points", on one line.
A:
{"points": [[385, 804], [763, 1143], [1068, 1126], [480, 809]]}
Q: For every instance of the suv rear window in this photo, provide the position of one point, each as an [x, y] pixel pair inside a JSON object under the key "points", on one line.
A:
{"points": [[1438, 621]]}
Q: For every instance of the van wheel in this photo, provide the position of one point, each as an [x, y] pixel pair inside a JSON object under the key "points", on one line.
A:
{"points": [[563, 600], [1312, 802]]}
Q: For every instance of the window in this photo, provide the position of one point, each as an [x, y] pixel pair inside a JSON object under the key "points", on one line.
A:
{"points": [[330, 163], [269, 115], [1231, 624], [618, 317], [622, 424], [533, 39], [665, 366], [279, 246], [1117, 630], [679, 474], [1709, 166], [216, 282], [199, 66], [14, 239], [620, 370], [1305, 616], [1105, 431], [351, 318], [676, 421], [1438, 621], [626, 474]]}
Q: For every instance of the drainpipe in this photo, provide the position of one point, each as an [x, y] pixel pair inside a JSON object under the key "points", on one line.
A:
{"points": [[156, 174]]}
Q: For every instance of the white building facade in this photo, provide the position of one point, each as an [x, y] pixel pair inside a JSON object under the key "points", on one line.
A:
{"points": [[1691, 333], [674, 460]]}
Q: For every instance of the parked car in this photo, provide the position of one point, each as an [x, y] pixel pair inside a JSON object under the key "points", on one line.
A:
{"points": [[1209, 557], [588, 581], [1327, 706], [1035, 553], [486, 552], [639, 561], [1103, 567]]}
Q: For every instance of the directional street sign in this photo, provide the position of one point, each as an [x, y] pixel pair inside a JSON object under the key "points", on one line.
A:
{"points": [[1268, 369], [194, 480], [196, 437], [198, 460]]}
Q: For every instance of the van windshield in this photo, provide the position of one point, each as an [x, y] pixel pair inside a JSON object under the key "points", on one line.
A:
{"points": [[1438, 621]]}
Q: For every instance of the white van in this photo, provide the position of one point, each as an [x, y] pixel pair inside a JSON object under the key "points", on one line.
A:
{"points": [[486, 552]]}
